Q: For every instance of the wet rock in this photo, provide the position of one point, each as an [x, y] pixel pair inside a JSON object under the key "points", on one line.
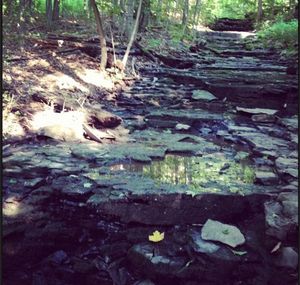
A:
{"points": [[287, 258], [144, 282], [58, 257], [287, 165], [263, 118], [154, 262], [290, 123], [256, 111], [262, 142], [200, 245], [227, 234], [73, 185], [290, 209], [182, 127], [34, 183], [266, 178], [278, 225], [83, 266], [203, 95], [184, 117]]}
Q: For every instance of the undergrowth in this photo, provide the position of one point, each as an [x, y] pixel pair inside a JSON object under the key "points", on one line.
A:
{"points": [[280, 35]]}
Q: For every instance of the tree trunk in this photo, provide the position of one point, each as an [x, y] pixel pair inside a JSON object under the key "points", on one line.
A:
{"points": [[197, 10], [259, 11], [49, 12], [133, 35], [101, 35], [129, 17], [55, 15], [145, 15], [185, 14]]}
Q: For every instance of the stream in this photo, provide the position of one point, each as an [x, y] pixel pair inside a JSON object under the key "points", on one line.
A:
{"points": [[212, 143]]}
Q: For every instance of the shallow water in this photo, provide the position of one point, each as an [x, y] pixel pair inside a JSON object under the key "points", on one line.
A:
{"points": [[208, 170]]}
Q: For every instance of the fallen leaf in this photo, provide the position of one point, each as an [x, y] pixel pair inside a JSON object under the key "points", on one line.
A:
{"points": [[156, 236], [276, 247]]}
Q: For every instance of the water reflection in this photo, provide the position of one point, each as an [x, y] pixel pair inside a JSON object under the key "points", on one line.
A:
{"points": [[207, 170]]}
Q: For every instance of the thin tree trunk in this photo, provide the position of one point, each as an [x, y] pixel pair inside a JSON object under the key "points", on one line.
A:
{"points": [[101, 35], [133, 35], [49, 12], [259, 11], [185, 13], [196, 12], [145, 15]]}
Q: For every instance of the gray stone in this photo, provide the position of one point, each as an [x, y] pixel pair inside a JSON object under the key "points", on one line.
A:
{"points": [[227, 234], [34, 183], [263, 118], [290, 209], [73, 185], [288, 258], [290, 123], [200, 245], [287, 165], [263, 142], [203, 95], [266, 178], [153, 262], [277, 225], [255, 111]]}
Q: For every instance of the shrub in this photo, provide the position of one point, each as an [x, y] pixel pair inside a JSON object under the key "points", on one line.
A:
{"points": [[280, 34]]}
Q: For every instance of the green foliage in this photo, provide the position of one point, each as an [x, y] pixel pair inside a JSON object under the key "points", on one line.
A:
{"points": [[281, 35], [153, 43]]}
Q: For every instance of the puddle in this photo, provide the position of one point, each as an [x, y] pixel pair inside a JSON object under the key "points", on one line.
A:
{"points": [[212, 170]]}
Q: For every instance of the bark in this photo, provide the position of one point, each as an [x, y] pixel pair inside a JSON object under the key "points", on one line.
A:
{"points": [[49, 12], [55, 15], [133, 35], [185, 14], [259, 11], [145, 15], [129, 11], [101, 35]]}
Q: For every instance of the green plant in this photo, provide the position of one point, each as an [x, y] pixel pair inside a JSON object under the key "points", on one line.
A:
{"points": [[248, 175], [281, 35]]}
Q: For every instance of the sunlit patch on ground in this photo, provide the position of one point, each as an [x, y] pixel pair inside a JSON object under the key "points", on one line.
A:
{"points": [[59, 125], [62, 81], [95, 77]]}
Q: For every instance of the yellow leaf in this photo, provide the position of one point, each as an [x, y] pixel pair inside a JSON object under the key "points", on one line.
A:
{"points": [[156, 236]]}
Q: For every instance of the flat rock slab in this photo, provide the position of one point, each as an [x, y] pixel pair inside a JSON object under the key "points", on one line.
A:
{"points": [[203, 95], [188, 117], [256, 111], [227, 234]]}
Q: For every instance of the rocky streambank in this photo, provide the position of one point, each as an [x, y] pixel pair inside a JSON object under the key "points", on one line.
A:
{"points": [[207, 155]]}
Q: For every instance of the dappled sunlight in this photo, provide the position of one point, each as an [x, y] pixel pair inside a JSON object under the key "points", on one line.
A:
{"points": [[96, 78], [63, 82], [61, 124], [15, 209]]}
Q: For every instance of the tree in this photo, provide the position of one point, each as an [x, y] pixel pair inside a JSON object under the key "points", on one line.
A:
{"points": [[259, 11], [133, 35], [101, 35], [49, 12], [55, 13]]}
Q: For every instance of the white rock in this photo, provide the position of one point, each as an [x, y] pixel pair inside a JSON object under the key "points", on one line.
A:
{"points": [[182, 127], [203, 95]]}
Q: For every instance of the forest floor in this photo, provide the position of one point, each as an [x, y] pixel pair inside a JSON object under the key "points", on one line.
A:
{"points": [[196, 140]]}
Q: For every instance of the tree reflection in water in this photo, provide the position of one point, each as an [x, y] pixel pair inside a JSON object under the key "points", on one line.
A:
{"points": [[198, 171]]}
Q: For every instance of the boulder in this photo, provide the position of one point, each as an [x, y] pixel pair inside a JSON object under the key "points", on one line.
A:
{"points": [[227, 234]]}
